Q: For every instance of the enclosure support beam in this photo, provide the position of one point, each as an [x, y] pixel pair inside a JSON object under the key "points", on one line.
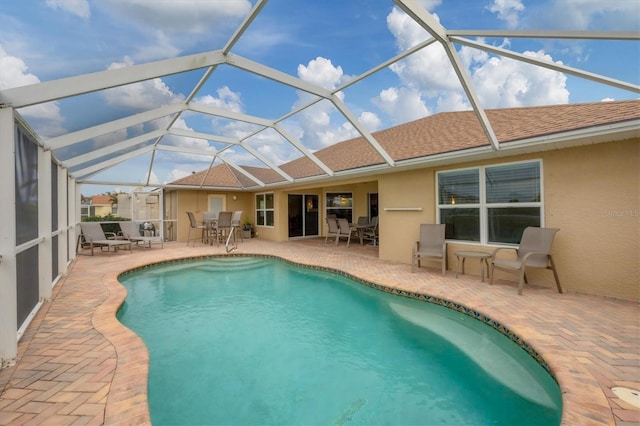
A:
{"points": [[8, 272], [63, 226], [44, 225]]}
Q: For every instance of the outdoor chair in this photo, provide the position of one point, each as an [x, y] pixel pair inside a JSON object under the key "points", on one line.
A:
{"points": [[430, 245], [363, 220], [534, 252], [194, 226], [332, 230], [222, 226], [344, 230], [131, 231], [235, 222], [371, 233], [94, 236]]}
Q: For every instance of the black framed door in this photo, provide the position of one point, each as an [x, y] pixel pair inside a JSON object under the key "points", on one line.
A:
{"points": [[373, 205], [303, 215]]}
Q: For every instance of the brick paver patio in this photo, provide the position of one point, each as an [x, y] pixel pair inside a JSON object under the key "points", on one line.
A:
{"points": [[78, 365]]}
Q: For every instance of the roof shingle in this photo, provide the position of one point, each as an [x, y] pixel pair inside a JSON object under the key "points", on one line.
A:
{"points": [[435, 134]]}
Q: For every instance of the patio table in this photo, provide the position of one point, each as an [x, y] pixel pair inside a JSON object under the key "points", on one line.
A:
{"points": [[481, 255]]}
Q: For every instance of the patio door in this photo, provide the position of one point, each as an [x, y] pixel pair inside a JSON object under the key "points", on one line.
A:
{"points": [[216, 204], [303, 215]]}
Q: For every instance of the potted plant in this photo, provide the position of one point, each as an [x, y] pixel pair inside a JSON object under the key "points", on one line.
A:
{"points": [[246, 229]]}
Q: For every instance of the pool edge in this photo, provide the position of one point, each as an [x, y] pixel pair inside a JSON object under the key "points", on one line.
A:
{"points": [[565, 369]]}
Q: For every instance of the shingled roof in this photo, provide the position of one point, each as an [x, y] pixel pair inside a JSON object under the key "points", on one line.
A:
{"points": [[437, 134]]}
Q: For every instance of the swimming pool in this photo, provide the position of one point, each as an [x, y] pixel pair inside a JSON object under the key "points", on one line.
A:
{"points": [[251, 340]]}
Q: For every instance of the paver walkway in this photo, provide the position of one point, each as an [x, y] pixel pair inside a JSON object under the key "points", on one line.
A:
{"points": [[78, 365]]}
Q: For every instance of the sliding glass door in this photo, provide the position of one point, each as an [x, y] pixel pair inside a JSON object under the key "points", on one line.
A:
{"points": [[303, 215]]}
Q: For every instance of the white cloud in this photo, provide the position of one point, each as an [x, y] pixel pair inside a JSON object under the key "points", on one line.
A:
{"points": [[109, 139], [165, 29], [370, 121], [583, 14], [402, 104], [508, 11], [428, 70], [144, 95], [316, 126], [321, 72], [428, 81], [163, 47], [153, 178], [185, 16], [405, 30], [76, 7], [504, 82], [14, 71], [186, 142], [178, 173], [429, 5], [227, 99], [46, 118]]}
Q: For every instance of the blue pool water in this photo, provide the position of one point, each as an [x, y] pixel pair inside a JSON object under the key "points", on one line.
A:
{"points": [[252, 341]]}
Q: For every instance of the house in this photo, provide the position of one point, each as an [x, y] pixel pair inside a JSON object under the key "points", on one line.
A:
{"points": [[573, 167]]}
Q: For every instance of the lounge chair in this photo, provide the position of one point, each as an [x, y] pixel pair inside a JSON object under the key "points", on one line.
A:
{"points": [[94, 236], [430, 245], [194, 226], [131, 231], [534, 252], [344, 230], [333, 230]]}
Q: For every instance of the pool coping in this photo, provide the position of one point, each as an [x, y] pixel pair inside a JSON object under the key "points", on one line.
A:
{"points": [[130, 378]]}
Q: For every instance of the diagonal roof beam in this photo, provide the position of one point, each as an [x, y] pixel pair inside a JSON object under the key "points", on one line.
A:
{"points": [[364, 132], [550, 65], [414, 9], [241, 170], [243, 27], [225, 113], [112, 126], [275, 75], [231, 141], [47, 91], [92, 155], [578, 35], [386, 63], [204, 136], [302, 149], [182, 150], [262, 158], [79, 174], [232, 41]]}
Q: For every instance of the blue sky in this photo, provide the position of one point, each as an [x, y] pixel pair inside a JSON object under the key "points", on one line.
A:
{"points": [[325, 42]]}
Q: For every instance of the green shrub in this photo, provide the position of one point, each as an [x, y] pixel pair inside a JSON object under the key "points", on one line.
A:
{"points": [[107, 227]]}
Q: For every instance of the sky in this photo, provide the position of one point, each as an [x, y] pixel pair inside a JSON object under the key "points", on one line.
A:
{"points": [[325, 42]]}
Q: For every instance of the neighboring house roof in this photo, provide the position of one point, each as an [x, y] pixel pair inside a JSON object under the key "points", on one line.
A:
{"points": [[436, 134], [98, 200]]}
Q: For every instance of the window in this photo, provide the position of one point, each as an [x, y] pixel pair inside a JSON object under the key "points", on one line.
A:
{"points": [[264, 209], [491, 204], [340, 204]]}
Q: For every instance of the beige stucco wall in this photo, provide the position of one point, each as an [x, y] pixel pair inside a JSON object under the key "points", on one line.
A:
{"points": [[592, 194], [359, 189], [197, 202]]}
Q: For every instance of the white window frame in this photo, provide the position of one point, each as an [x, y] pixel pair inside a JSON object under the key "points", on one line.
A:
{"points": [[483, 206], [327, 209], [265, 210]]}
